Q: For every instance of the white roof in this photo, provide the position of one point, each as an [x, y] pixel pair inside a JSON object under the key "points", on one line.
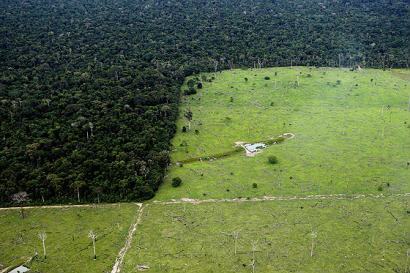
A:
{"points": [[255, 147], [20, 269]]}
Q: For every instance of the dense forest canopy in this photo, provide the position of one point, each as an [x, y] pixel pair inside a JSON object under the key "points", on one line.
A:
{"points": [[89, 89]]}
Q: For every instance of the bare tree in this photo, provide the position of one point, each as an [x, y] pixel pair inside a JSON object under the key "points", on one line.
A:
{"points": [[93, 238], [235, 236], [43, 236], [20, 198], [253, 262], [188, 116], [216, 65], [313, 235], [91, 125]]}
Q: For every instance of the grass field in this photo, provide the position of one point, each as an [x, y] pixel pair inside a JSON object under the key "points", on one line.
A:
{"points": [[352, 136], [68, 247], [352, 133], [362, 235]]}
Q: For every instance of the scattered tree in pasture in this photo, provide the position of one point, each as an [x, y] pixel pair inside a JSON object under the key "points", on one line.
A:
{"points": [[188, 115], [176, 182], [235, 236], [43, 236], [93, 238], [313, 236], [272, 159], [253, 261]]}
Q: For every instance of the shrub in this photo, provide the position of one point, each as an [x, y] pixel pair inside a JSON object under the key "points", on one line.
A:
{"points": [[380, 188], [176, 182], [272, 159], [254, 185], [231, 99], [246, 79], [196, 131], [183, 129], [191, 83], [267, 78], [190, 91], [199, 85], [338, 82], [276, 73]]}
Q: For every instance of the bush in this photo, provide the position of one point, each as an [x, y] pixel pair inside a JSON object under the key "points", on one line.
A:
{"points": [[246, 79], [199, 85], [267, 78], [183, 129], [272, 159], [190, 91], [176, 182], [254, 185]]}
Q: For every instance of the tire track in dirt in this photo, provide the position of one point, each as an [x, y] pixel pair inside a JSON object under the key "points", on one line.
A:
{"points": [[133, 228], [279, 198]]}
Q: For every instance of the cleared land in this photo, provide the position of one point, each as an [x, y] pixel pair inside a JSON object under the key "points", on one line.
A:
{"points": [[351, 130], [363, 235], [351, 146], [68, 247]]}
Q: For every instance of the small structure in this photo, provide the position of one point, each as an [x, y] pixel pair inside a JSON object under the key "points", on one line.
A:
{"points": [[252, 149], [20, 269]]}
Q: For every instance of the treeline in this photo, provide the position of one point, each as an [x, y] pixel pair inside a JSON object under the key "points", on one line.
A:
{"points": [[89, 89]]}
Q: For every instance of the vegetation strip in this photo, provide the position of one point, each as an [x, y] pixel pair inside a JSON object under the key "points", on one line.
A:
{"points": [[271, 141], [280, 198], [120, 258]]}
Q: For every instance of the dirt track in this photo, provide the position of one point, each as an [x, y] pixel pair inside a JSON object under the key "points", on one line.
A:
{"points": [[120, 257], [279, 198]]}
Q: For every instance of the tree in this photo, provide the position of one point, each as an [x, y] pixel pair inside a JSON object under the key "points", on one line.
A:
{"points": [[77, 185], [20, 198], [272, 159], [188, 116], [93, 238], [43, 236], [313, 236], [176, 182]]}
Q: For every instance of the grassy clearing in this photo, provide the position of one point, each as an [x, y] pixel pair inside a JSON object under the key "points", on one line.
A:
{"points": [[68, 247], [351, 130], [362, 235]]}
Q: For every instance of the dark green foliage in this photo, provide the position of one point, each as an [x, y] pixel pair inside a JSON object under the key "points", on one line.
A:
{"points": [[254, 185], [176, 182], [246, 79], [190, 91], [89, 89], [231, 99], [272, 159], [267, 78], [199, 85]]}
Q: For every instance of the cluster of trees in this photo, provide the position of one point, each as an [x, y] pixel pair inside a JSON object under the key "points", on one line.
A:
{"points": [[89, 89]]}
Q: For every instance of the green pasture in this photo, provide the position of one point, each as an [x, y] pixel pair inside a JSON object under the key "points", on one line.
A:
{"points": [[362, 235], [68, 247], [352, 133]]}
